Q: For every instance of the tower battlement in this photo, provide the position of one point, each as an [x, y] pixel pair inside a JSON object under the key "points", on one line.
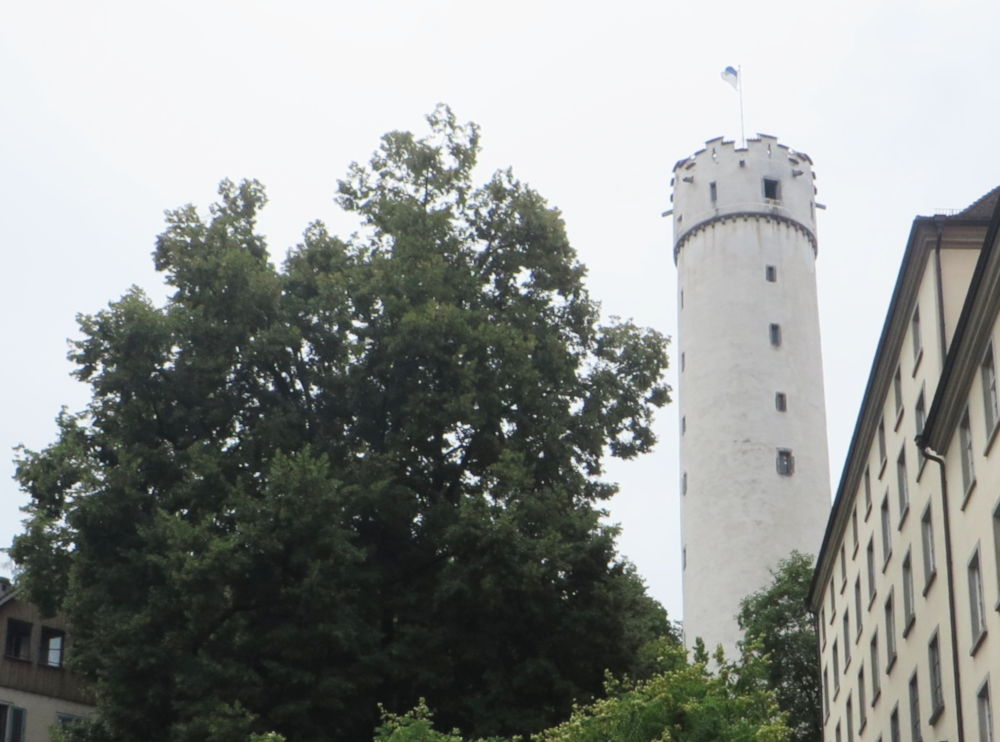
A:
{"points": [[723, 181]]}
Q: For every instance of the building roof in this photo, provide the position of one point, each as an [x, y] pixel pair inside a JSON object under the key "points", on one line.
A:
{"points": [[972, 334]]}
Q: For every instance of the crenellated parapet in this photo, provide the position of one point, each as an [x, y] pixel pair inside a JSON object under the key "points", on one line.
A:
{"points": [[763, 180]]}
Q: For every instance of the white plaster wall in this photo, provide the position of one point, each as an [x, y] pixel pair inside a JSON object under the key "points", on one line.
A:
{"points": [[739, 516], [41, 711]]}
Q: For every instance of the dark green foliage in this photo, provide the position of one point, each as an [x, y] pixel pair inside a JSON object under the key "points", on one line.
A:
{"points": [[777, 624], [366, 477]]}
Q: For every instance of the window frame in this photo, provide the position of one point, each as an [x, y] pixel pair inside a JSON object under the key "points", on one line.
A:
{"points": [[909, 600], [890, 632], [977, 601], [785, 462], [17, 640], [967, 456], [45, 649], [934, 677], [991, 400], [927, 542], [902, 486]]}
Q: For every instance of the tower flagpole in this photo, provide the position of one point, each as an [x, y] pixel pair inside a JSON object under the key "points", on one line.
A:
{"points": [[743, 131], [734, 76]]}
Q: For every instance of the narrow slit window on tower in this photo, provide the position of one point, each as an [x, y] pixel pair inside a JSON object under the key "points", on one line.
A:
{"points": [[785, 462], [713, 192], [780, 401], [771, 273], [772, 189], [775, 333]]}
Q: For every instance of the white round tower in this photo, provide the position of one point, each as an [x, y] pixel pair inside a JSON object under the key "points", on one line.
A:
{"points": [[755, 480]]}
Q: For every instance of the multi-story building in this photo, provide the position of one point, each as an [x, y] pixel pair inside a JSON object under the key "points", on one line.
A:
{"points": [[755, 474], [906, 585], [36, 689]]}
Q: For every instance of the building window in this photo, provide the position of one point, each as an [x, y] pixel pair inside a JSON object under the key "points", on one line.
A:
{"points": [[822, 625], [847, 638], [684, 425], [857, 605], [836, 670], [833, 603], [684, 557], [50, 651], [991, 404], [870, 563], [890, 633], [908, 611], [965, 443], [927, 537], [771, 273], [775, 333], [785, 462], [876, 681], [862, 709], [713, 192], [780, 402], [12, 723], [934, 671], [920, 415], [18, 644], [684, 483], [915, 335], [894, 725], [886, 531], [826, 693], [867, 482], [996, 543], [850, 720], [915, 734], [881, 446], [901, 484], [897, 393], [977, 605], [854, 531], [843, 567], [772, 189], [985, 713], [682, 361], [837, 737], [868, 492]]}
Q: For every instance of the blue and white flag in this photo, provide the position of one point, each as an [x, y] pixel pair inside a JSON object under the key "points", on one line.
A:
{"points": [[731, 76]]}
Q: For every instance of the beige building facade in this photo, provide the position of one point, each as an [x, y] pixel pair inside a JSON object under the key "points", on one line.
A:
{"points": [[907, 586]]}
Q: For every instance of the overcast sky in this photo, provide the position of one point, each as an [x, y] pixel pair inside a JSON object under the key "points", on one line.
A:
{"points": [[113, 111]]}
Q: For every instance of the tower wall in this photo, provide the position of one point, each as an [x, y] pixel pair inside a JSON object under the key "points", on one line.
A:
{"points": [[746, 261]]}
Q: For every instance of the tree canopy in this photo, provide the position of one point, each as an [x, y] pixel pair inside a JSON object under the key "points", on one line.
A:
{"points": [[777, 625], [371, 475], [684, 701]]}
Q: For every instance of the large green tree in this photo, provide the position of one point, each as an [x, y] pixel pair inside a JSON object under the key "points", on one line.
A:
{"points": [[777, 624], [370, 475]]}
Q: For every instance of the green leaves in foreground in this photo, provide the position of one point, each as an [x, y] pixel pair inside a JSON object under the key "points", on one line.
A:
{"points": [[683, 702]]}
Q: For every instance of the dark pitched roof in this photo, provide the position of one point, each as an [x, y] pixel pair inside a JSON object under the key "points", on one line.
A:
{"points": [[981, 208]]}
